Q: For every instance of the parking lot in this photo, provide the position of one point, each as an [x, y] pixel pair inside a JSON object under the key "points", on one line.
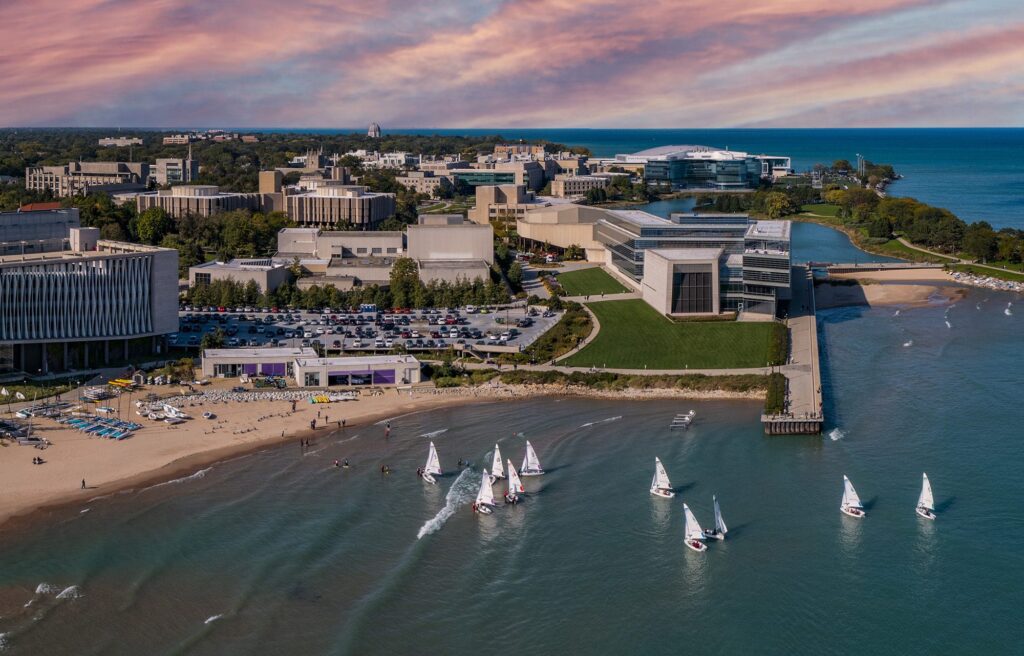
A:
{"points": [[368, 331]]}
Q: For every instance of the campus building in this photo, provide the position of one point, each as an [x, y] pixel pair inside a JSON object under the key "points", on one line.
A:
{"points": [[306, 369], [119, 142], [702, 167], [199, 200], [334, 205], [171, 171], [753, 272], [564, 186], [232, 363], [509, 202], [30, 231], [86, 303], [81, 178], [425, 182], [267, 273]]}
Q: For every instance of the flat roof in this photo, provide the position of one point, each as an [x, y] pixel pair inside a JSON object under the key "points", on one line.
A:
{"points": [[112, 249], [259, 353], [769, 230], [675, 254], [639, 217], [451, 264], [355, 361], [253, 264]]}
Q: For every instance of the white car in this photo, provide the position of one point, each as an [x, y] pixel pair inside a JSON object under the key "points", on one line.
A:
{"points": [[307, 335]]}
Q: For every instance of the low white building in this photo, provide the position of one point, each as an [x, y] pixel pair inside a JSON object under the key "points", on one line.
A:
{"points": [[357, 371], [231, 363]]}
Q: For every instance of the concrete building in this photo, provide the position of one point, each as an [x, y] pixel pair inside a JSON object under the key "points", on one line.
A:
{"points": [[442, 167], [30, 231], [565, 186], [119, 142], [171, 171], [425, 182], [510, 202], [267, 273], [200, 200], [451, 252], [682, 281], [440, 219], [180, 139], [97, 303], [81, 178], [232, 363], [334, 205], [569, 164], [562, 226], [504, 151], [357, 371]]}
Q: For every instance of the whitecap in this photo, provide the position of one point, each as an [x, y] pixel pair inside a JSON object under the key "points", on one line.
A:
{"points": [[84, 510], [46, 588], [460, 493], [212, 618], [70, 592], [1008, 312], [602, 421], [433, 434], [3, 641], [896, 313], [835, 434], [191, 477], [949, 325], [908, 343]]}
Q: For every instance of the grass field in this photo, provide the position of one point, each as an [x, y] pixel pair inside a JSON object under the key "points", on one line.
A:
{"points": [[633, 335], [894, 248], [821, 209], [590, 281], [982, 271]]}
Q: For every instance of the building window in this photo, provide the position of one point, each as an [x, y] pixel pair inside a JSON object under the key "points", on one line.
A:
{"points": [[361, 251], [692, 290], [202, 279], [392, 251]]}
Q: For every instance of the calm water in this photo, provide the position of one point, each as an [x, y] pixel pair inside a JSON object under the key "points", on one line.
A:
{"points": [[978, 173], [292, 556]]}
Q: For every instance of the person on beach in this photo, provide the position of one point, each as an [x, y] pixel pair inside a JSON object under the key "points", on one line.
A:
{"points": [[83, 483], [343, 423], [336, 463]]}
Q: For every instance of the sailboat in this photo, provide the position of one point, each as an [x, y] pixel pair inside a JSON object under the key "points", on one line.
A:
{"points": [[660, 485], [851, 502], [694, 535], [485, 497], [515, 486], [497, 468], [433, 466], [926, 502], [718, 533], [531, 463]]}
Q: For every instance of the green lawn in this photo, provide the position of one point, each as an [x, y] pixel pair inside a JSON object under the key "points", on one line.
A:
{"points": [[590, 281], [633, 335], [982, 271], [895, 248], [821, 209]]}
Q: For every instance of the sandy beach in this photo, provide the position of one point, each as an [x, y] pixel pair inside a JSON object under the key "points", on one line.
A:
{"points": [[160, 452], [904, 287]]}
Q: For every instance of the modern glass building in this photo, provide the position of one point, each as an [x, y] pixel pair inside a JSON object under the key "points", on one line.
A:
{"points": [[703, 167], [753, 256]]}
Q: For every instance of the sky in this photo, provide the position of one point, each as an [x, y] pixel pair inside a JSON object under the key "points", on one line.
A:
{"points": [[511, 63]]}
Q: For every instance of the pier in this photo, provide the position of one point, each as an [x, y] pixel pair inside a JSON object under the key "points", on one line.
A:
{"points": [[804, 413]]}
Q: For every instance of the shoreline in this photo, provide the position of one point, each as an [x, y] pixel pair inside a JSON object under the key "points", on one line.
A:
{"points": [[22, 508]]}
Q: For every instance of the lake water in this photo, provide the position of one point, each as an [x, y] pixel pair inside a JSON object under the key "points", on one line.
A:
{"points": [[280, 553]]}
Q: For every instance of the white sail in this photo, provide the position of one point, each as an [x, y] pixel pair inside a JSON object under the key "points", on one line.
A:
{"points": [[693, 529], [719, 522], [486, 494], [926, 500], [660, 481], [531, 463], [850, 498], [433, 463], [497, 468], [515, 486]]}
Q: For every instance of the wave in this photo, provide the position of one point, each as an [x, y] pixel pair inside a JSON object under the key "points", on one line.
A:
{"points": [[191, 477], [70, 592], [949, 325], [212, 618], [309, 453], [3, 641], [835, 434], [602, 421], [84, 510], [433, 434], [47, 588], [460, 493], [896, 313], [908, 343]]}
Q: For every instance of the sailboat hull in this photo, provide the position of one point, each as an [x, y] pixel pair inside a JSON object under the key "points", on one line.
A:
{"points": [[538, 472], [482, 508], [429, 478], [697, 545], [927, 514], [856, 513], [714, 536], [664, 494]]}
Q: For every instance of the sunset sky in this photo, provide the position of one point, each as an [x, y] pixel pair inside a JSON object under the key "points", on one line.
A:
{"points": [[511, 63]]}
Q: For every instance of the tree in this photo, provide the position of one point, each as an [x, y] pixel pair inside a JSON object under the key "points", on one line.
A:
{"points": [[405, 278], [574, 252], [152, 225], [515, 275], [777, 204], [980, 241], [213, 340], [842, 165]]}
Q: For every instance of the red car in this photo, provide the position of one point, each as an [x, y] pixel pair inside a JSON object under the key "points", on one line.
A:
{"points": [[221, 309]]}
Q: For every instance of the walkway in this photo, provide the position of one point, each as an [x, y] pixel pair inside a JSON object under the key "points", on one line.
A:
{"points": [[953, 260]]}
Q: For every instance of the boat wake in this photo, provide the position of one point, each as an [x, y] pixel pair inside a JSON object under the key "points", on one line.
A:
{"points": [[908, 343], [461, 492], [70, 592], [949, 325], [896, 313], [433, 434], [835, 434], [191, 477], [603, 421], [1007, 311], [212, 618]]}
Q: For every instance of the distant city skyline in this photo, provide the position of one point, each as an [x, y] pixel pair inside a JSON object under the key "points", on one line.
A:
{"points": [[512, 63]]}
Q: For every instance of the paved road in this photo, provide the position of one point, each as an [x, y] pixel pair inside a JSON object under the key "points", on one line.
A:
{"points": [[803, 371]]}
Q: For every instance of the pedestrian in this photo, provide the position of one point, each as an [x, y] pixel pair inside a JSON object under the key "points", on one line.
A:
{"points": [[83, 483], [317, 414], [343, 423], [326, 419]]}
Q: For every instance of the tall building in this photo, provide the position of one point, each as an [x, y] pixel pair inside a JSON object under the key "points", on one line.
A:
{"points": [[509, 202], [335, 205], [374, 131], [80, 178], [88, 304], [170, 171], [200, 200]]}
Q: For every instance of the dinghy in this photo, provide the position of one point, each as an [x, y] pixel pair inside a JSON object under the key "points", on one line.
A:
{"points": [[660, 485], [694, 534], [497, 468], [485, 497], [851, 502], [531, 463], [683, 420], [925, 502], [433, 466], [717, 533], [515, 486]]}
